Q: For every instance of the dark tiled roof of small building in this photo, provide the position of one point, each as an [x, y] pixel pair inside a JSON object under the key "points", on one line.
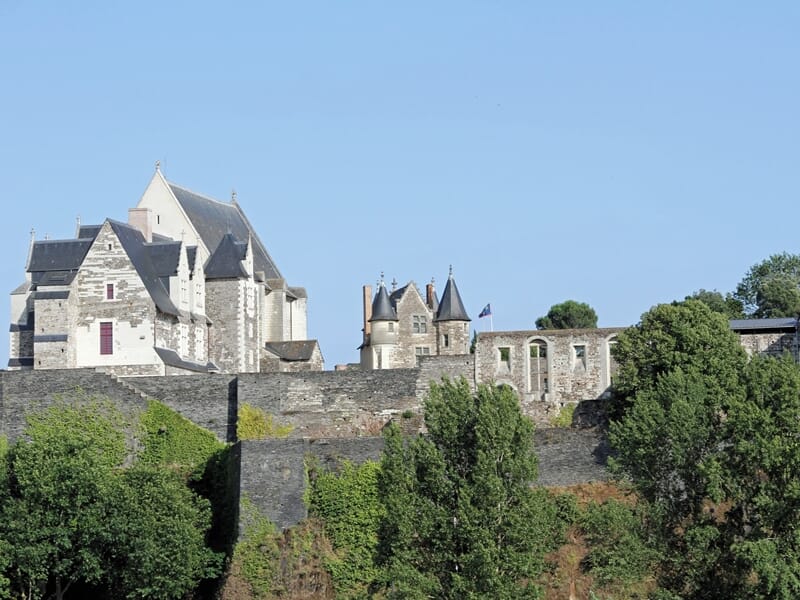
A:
{"points": [[297, 292], [213, 219], [382, 306], [137, 250], [58, 255], [226, 260], [451, 308], [763, 324], [292, 351], [173, 359]]}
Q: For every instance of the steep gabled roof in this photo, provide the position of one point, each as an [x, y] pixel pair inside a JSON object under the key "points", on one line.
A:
{"points": [[382, 308], [213, 219], [451, 308], [137, 250], [226, 260]]}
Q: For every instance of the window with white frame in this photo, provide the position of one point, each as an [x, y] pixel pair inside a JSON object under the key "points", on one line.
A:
{"points": [[419, 324]]}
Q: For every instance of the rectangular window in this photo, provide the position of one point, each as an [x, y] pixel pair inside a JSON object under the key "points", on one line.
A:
{"points": [[419, 324], [505, 354], [109, 291], [391, 326], [106, 338], [446, 340], [422, 351], [579, 357]]}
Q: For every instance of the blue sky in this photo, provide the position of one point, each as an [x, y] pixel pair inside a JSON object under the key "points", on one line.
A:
{"points": [[620, 153]]}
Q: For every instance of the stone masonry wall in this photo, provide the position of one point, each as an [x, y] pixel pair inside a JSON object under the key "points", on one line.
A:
{"points": [[273, 472], [772, 344], [578, 366], [24, 392]]}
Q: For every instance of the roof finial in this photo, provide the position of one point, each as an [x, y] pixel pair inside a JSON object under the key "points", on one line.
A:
{"points": [[183, 235], [233, 196], [158, 166], [33, 234], [451, 272], [433, 280], [394, 284]]}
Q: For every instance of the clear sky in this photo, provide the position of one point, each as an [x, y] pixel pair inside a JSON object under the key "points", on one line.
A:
{"points": [[617, 153]]}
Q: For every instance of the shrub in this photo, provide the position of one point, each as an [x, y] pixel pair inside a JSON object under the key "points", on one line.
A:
{"points": [[253, 423]]}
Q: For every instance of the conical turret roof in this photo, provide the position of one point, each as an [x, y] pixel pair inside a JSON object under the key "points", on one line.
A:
{"points": [[382, 309], [451, 308]]}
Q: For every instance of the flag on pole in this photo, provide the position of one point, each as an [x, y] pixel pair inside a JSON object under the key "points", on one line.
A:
{"points": [[486, 312]]}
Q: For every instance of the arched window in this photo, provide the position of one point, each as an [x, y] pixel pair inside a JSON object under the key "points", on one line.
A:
{"points": [[538, 372]]}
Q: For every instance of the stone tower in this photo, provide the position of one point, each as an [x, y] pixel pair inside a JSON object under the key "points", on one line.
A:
{"points": [[451, 321], [384, 328]]}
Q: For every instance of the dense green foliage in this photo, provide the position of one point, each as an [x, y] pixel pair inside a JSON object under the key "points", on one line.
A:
{"points": [[173, 441], [568, 315], [73, 512], [348, 504], [461, 517], [256, 555], [771, 288], [726, 305], [253, 423], [618, 551], [709, 441]]}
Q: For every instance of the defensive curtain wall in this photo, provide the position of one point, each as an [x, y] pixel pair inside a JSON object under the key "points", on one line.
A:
{"points": [[335, 415]]}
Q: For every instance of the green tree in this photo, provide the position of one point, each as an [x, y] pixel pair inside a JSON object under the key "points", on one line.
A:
{"points": [[461, 517], [683, 335], [709, 441], [568, 315], [58, 479], [727, 304], [762, 482], [75, 514], [156, 525], [771, 288]]}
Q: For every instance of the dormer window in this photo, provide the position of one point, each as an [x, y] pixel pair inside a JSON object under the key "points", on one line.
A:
{"points": [[109, 291]]}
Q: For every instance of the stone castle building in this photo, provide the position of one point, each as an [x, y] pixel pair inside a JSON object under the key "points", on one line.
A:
{"points": [[401, 326], [184, 286]]}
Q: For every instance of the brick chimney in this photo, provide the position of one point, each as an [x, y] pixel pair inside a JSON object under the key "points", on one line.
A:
{"points": [[142, 219], [430, 291], [367, 310]]}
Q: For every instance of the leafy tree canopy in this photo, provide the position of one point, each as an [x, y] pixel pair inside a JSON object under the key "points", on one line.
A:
{"points": [[709, 440], [771, 288], [74, 514], [727, 305], [461, 518], [568, 315]]}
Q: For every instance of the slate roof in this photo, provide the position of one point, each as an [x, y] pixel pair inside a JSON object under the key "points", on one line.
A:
{"points": [[226, 260], [165, 257], [173, 359], [88, 231], [451, 308], [292, 351], [213, 219], [763, 324], [58, 255], [138, 251], [382, 306]]}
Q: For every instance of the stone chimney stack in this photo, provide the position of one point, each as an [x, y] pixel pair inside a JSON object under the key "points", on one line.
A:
{"points": [[367, 310], [430, 291], [142, 219]]}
